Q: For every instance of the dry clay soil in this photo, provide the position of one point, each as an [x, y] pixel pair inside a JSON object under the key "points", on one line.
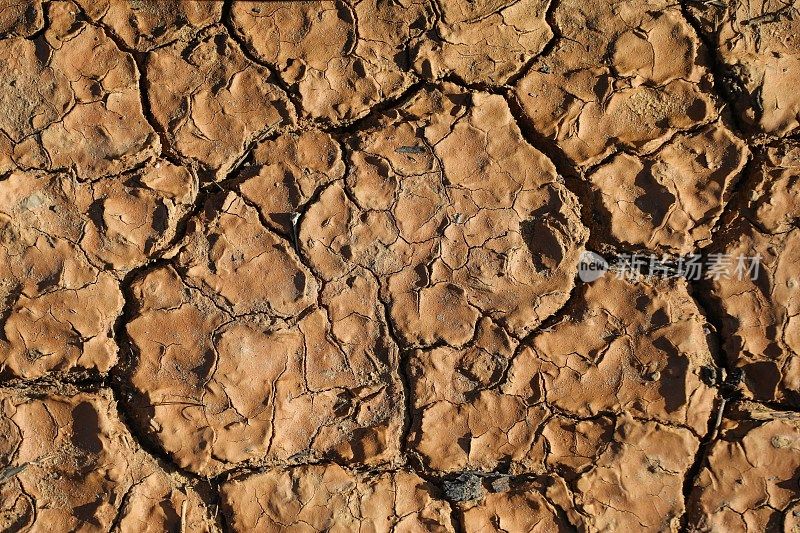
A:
{"points": [[311, 266]]}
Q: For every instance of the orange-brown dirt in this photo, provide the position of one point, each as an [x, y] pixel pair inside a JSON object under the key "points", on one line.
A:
{"points": [[314, 266]]}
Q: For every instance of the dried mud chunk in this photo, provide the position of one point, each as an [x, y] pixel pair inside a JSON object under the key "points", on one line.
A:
{"points": [[65, 245], [759, 45], [633, 347], [28, 110], [637, 482], [146, 24], [623, 75], [538, 506], [242, 266], [671, 199], [575, 445], [750, 480], [791, 519], [330, 498], [455, 214], [491, 429], [244, 358], [64, 114], [286, 173], [453, 375], [67, 464], [761, 316], [20, 17], [459, 421], [135, 218], [484, 42], [775, 204], [758, 314], [58, 308], [212, 101], [637, 349], [342, 58]]}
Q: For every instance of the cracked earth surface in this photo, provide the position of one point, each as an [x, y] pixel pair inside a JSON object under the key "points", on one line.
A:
{"points": [[312, 266]]}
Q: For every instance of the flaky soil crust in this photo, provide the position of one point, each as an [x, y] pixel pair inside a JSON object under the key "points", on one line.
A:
{"points": [[314, 266]]}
